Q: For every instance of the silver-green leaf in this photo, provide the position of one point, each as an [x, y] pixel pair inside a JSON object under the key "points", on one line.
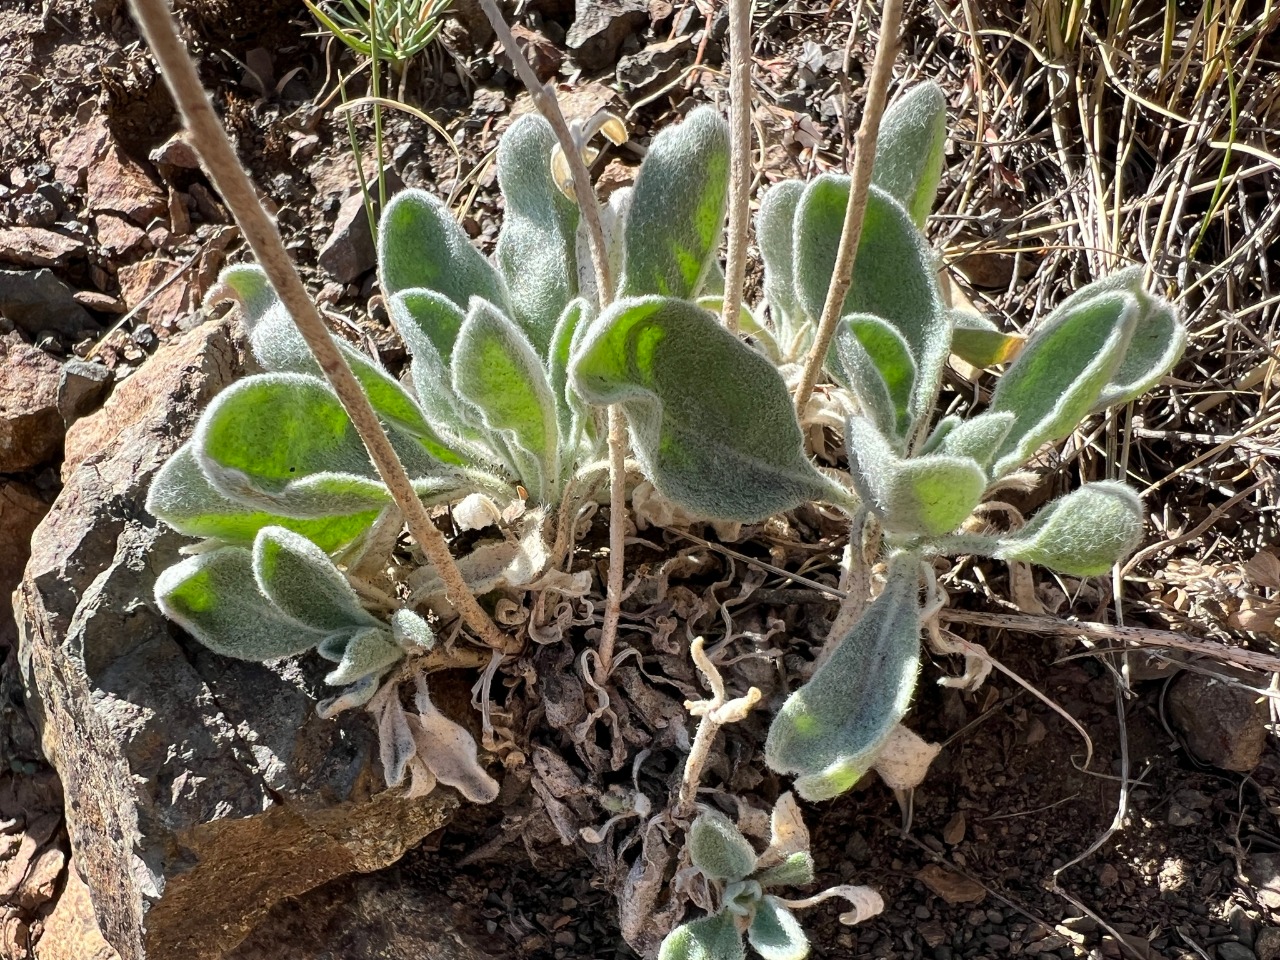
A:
{"points": [[829, 731], [711, 421], [677, 210], [300, 579], [214, 597], [909, 156], [718, 848], [1082, 534], [775, 933], [712, 938]]}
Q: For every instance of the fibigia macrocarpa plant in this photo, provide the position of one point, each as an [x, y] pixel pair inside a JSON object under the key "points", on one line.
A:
{"points": [[501, 417]]}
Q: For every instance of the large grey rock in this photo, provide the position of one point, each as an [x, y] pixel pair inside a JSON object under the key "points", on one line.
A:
{"points": [[36, 300], [200, 791], [600, 26], [31, 427]]}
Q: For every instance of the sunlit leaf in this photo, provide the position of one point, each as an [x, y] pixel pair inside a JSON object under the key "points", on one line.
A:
{"points": [[677, 209], [877, 361], [829, 730], [712, 938], [775, 933], [536, 251], [712, 422], [300, 579], [718, 848], [1082, 534], [214, 597], [909, 156]]}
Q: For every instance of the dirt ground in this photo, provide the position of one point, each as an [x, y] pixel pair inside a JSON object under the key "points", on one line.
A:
{"points": [[1078, 145]]}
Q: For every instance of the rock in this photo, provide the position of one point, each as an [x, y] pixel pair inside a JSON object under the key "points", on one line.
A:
{"points": [[171, 299], [543, 55], [1262, 873], [1234, 951], [21, 509], [1220, 723], [600, 26], [37, 300], [101, 302], [118, 184], [349, 252], [174, 154], [117, 237], [365, 918], [71, 930], [1267, 944], [31, 427], [81, 150], [35, 247], [951, 887], [200, 791], [81, 388], [656, 64]]}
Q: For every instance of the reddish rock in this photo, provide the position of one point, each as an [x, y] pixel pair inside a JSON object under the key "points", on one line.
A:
{"points": [[36, 247], [31, 427], [119, 184], [173, 298], [175, 154], [117, 236], [71, 929], [349, 252], [81, 150], [21, 510], [200, 791]]}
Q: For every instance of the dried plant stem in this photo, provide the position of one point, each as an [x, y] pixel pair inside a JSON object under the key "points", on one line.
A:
{"points": [[210, 141], [544, 99], [713, 714], [851, 232], [735, 268]]}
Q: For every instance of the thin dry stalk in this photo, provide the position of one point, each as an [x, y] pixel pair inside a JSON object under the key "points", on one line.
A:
{"points": [[210, 141], [544, 99], [855, 212], [735, 267]]}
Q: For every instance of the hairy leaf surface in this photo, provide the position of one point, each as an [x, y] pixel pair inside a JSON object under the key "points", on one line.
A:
{"points": [[496, 370], [775, 933], [1061, 373], [300, 579], [829, 731], [712, 938], [877, 361], [677, 208], [711, 420], [421, 245], [718, 848], [368, 652], [182, 496], [774, 231], [1082, 534], [927, 495], [913, 132], [536, 251], [214, 597]]}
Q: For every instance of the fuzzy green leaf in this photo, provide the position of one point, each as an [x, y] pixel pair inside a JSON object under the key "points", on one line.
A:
{"points": [[795, 871], [893, 277], [1158, 340], [712, 422], [410, 631], [909, 157], [774, 231], [712, 938], [214, 597], [300, 579], [829, 731], [421, 245], [1083, 534], [975, 439], [1061, 373], [282, 442], [182, 496], [928, 495], [976, 340], [775, 933], [877, 361], [536, 251], [677, 210], [569, 330], [718, 848], [496, 370], [280, 348], [368, 652]]}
